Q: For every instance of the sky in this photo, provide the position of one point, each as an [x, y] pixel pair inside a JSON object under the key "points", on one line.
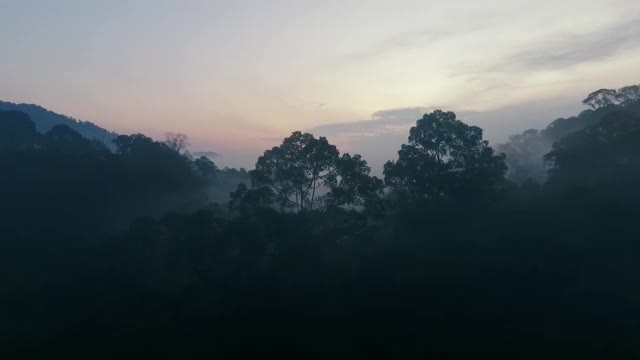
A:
{"points": [[238, 76]]}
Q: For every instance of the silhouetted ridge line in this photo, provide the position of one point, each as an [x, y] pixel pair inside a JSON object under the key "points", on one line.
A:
{"points": [[45, 120]]}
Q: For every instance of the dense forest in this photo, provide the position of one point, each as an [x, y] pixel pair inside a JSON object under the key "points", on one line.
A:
{"points": [[526, 250]]}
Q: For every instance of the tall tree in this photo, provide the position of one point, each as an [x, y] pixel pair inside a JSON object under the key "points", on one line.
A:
{"points": [[177, 142], [446, 158], [306, 173], [296, 169]]}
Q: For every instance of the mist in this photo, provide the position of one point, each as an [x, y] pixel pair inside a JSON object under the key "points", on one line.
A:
{"points": [[337, 179], [138, 241]]}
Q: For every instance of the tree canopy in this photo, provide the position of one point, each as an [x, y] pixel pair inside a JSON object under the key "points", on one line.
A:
{"points": [[306, 173], [123, 249], [605, 157], [446, 158], [606, 97]]}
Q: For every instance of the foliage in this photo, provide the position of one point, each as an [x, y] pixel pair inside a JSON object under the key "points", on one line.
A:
{"points": [[205, 167], [177, 142], [605, 157], [351, 184], [104, 253], [525, 151], [608, 97], [446, 159], [303, 166]]}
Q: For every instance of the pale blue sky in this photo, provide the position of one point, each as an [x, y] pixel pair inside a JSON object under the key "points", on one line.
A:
{"points": [[234, 75]]}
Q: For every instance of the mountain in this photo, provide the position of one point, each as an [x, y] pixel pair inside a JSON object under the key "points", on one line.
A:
{"points": [[45, 120]]}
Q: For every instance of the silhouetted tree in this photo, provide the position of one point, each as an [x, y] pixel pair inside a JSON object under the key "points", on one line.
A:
{"points": [[296, 170], [177, 142], [601, 98], [244, 199], [607, 97], [303, 167], [128, 144], [205, 167], [604, 157], [446, 158], [351, 184], [525, 151], [153, 173], [628, 95]]}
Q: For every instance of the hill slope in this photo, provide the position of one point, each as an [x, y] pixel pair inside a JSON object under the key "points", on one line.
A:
{"points": [[45, 120]]}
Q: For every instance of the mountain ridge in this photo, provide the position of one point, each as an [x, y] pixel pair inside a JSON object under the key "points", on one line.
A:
{"points": [[46, 119]]}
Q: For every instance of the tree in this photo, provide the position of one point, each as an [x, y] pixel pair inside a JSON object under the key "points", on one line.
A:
{"points": [[446, 158], [351, 184], [244, 199], [205, 167], [177, 142], [302, 167], [607, 97], [600, 98], [604, 157], [130, 144], [296, 170], [153, 165], [628, 95]]}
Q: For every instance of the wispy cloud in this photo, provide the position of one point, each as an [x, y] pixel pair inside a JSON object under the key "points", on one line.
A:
{"points": [[559, 51], [566, 50], [381, 122], [398, 43]]}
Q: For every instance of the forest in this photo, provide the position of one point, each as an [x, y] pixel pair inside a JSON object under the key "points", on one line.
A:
{"points": [[524, 250]]}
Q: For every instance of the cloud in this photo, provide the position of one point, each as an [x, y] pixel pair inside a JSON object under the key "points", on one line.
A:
{"points": [[566, 50], [381, 122], [399, 42], [558, 51], [555, 64]]}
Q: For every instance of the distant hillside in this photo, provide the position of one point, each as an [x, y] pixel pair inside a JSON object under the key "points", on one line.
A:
{"points": [[525, 152], [45, 120]]}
